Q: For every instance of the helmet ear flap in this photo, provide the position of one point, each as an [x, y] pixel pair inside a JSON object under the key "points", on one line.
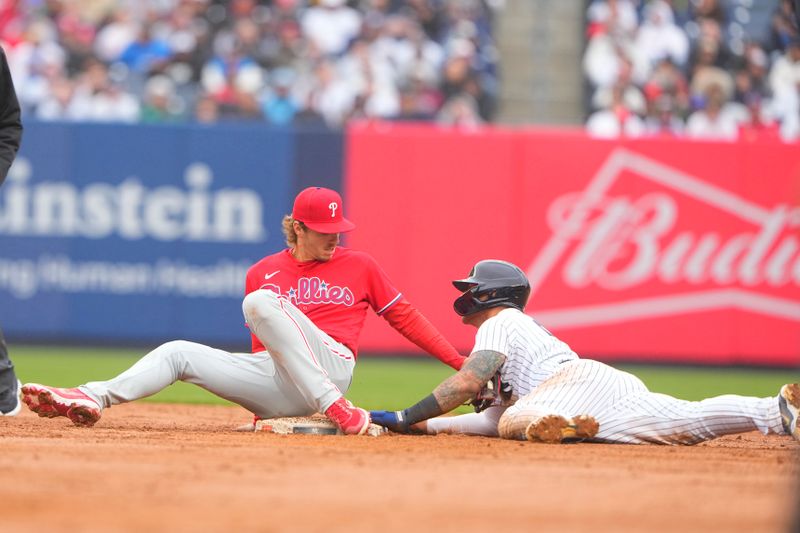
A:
{"points": [[465, 304]]}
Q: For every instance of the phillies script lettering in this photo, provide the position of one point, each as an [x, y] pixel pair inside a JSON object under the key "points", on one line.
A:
{"points": [[315, 291], [622, 242]]}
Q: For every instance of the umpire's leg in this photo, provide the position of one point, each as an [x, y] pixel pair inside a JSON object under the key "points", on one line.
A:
{"points": [[8, 381]]}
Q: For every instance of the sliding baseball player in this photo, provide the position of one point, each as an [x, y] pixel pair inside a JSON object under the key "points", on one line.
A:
{"points": [[541, 391]]}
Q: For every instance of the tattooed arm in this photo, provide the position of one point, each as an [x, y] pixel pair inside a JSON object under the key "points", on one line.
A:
{"points": [[467, 382], [452, 392]]}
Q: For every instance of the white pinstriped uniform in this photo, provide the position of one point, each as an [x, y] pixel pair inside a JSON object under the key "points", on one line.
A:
{"points": [[547, 377]]}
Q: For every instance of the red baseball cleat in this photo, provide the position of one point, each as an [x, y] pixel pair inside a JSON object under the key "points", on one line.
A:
{"points": [[51, 402], [350, 419]]}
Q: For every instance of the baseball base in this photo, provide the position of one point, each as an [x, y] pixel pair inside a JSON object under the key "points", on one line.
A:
{"points": [[309, 425]]}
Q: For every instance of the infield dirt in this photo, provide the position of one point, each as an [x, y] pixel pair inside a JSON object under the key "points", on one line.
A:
{"points": [[153, 467]]}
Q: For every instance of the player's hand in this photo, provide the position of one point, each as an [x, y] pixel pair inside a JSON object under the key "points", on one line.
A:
{"points": [[391, 420]]}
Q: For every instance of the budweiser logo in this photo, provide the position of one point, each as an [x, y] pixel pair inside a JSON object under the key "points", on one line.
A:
{"points": [[623, 242]]}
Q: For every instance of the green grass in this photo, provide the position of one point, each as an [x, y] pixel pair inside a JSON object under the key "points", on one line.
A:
{"points": [[380, 383]]}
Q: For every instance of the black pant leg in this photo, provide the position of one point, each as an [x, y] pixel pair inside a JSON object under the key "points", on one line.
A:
{"points": [[8, 380]]}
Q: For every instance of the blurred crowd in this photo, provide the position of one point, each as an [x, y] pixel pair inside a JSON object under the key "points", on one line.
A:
{"points": [[275, 61], [707, 69]]}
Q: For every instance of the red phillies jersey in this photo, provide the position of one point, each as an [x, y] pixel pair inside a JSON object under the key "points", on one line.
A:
{"points": [[334, 294]]}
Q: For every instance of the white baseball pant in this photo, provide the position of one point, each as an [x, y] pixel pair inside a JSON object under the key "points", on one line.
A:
{"points": [[302, 372], [629, 413]]}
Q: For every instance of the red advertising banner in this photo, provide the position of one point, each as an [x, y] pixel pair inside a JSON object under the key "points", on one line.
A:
{"points": [[650, 250]]}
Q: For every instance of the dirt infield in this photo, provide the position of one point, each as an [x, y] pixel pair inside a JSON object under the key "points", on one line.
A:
{"points": [[181, 468]]}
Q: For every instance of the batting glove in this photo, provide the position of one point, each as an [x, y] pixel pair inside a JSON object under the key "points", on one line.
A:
{"points": [[392, 420]]}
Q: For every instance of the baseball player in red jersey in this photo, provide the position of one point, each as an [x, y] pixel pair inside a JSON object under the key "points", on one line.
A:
{"points": [[305, 307]]}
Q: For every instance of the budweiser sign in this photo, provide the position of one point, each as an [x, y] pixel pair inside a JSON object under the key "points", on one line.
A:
{"points": [[692, 245]]}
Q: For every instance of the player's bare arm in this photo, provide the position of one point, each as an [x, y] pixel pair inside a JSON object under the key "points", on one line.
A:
{"points": [[466, 383], [479, 368]]}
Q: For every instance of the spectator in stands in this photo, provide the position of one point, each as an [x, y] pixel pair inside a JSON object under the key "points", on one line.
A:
{"points": [[460, 111], [285, 46], [616, 121], [784, 29], [98, 98], [753, 76], [713, 121], [708, 9], [331, 25], [76, 32], [784, 82], [45, 64], [662, 120], [279, 107], [188, 37], [659, 37], [469, 21], [758, 124], [308, 115], [58, 103], [372, 80], [632, 96], [146, 55], [668, 79], [116, 35], [206, 110], [460, 78], [428, 14], [161, 103], [326, 93], [419, 101], [709, 50], [425, 60], [616, 17], [607, 54], [233, 79]]}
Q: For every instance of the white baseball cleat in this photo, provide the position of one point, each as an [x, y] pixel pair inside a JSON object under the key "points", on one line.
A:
{"points": [[51, 402], [789, 404], [17, 407], [555, 429]]}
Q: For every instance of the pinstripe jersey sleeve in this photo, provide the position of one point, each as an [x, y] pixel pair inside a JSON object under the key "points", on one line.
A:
{"points": [[492, 335], [532, 353]]}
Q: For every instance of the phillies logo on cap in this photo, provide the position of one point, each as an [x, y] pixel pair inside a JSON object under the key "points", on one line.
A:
{"points": [[321, 210]]}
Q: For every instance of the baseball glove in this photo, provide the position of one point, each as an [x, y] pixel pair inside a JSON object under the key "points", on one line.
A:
{"points": [[489, 394]]}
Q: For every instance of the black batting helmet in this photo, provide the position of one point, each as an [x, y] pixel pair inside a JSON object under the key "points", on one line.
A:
{"points": [[492, 283]]}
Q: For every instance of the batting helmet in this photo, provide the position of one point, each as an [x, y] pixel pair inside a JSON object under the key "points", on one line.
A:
{"points": [[492, 283]]}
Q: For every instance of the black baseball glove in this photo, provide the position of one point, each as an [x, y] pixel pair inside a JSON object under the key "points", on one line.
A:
{"points": [[495, 388]]}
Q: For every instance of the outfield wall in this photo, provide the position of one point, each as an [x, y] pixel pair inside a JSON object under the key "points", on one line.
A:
{"points": [[653, 250], [144, 233]]}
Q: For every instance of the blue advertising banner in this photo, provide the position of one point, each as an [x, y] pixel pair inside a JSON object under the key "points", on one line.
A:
{"points": [[112, 233]]}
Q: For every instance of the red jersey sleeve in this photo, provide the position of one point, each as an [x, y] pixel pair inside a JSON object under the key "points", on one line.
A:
{"points": [[415, 327], [381, 293]]}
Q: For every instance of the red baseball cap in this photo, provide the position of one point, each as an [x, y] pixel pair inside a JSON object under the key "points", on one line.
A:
{"points": [[321, 210]]}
